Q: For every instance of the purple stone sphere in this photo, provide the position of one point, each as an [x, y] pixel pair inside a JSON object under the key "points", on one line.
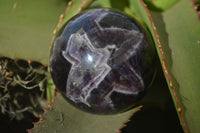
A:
{"points": [[102, 61]]}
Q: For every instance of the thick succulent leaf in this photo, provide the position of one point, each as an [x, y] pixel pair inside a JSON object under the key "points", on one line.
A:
{"points": [[179, 31], [26, 27], [63, 118]]}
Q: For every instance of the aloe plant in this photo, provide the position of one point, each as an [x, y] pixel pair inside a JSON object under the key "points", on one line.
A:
{"points": [[27, 29]]}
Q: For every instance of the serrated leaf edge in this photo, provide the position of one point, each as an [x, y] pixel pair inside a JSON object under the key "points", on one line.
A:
{"points": [[42, 116], [126, 122], [167, 75]]}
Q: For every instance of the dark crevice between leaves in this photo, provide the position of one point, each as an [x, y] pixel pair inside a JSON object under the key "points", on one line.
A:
{"points": [[197, 3], [123, 4], [153, 119], [155, 6], [22, 93], [158, 114], [151, 6]]}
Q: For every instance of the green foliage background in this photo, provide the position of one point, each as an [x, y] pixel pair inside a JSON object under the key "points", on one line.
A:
{"points": [[26, 30]]}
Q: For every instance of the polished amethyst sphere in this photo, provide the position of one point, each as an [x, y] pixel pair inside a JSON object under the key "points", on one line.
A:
{"points": [[101, 61]]}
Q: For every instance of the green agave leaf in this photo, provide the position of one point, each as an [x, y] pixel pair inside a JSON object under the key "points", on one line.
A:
{"points": [[26, 27], [179, 31], [63, 118]]}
